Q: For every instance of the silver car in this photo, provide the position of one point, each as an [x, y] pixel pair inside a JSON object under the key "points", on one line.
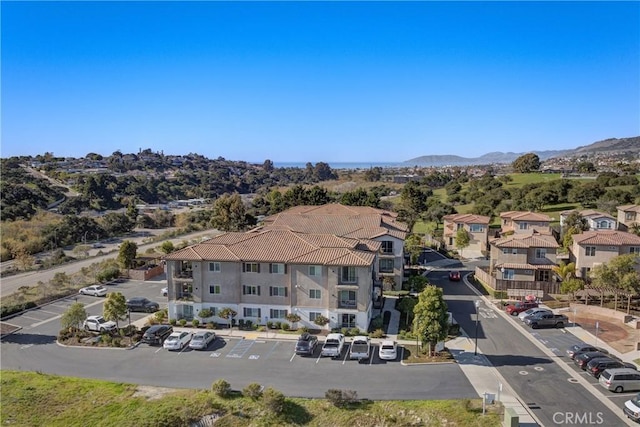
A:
{"points": [[532, 312], [201, 340]]}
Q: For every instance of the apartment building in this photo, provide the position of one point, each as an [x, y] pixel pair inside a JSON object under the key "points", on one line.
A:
{"points": [[593, 248], [476, 225], [522, 222]]}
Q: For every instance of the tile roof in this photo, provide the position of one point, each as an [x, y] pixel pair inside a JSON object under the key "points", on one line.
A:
{"points": [[525, 216], [535, 240], [467, 218], [629, 208], [516, 266], [587, 213], [606, 237], [274, 245]]}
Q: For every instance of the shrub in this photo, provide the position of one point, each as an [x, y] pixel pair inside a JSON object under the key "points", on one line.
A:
{"points": [[221, 388], [248, 324], [253, 390], [304, 329], [321, 321], [278, 325], [159, 315], [344, 331], [241, 323], [378, 333], [273, 400], [210, 325], [285, 326], [354, 331], [195, 323], [341, 398], [173, 322], [205, 312], [376, 322], [182, 322], [269, 324]]}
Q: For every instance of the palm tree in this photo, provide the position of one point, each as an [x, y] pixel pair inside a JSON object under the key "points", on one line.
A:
{"points": [[565, 271], [635, 228]]}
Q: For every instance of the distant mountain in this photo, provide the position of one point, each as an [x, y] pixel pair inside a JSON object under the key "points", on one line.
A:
{"points": [[608, 145]]}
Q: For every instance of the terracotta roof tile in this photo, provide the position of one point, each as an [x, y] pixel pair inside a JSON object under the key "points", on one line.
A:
{"points": [[629, 208], [515, 266], [525, 216], [467, 218], [607, 238], [535, 240]]}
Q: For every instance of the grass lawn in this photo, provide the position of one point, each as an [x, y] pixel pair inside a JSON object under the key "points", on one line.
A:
{"points": [[32, 398]]}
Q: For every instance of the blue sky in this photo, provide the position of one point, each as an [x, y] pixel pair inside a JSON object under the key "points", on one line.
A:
{"points": [[317, 81]]}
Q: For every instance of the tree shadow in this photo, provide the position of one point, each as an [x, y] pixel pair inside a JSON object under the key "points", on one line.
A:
{"points": [[26, 339], [296, 414]]}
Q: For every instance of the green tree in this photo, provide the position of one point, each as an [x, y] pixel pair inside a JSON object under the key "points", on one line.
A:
{"points": [[293, 318], [273, 400], [413, 246], [406, 306], [115, 307], [431, 320], [577, 221], [167, 247], [127, 254], [618, 273], [571, 285], [74, 316], [463, 239], [565, 271], [228, 314], [526, 163], [229, 213]]}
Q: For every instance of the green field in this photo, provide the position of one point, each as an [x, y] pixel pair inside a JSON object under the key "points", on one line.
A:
{"points": [[36, 399]]}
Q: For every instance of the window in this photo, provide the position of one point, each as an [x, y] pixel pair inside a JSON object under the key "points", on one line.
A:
{"points": [[313, 315], [512, 251], [349, 275], [523, 226], [315, 270], [348, 320], [315, 294], [459, 226], [450, 241], [634, 250], [476, 228], [277, 269], [541, 253], [214, 289], [590, 250], [604, 224], [250, 290], [543, 276], [387, 247], [508, 274], [278, 314], [250, 267], [277, 291], [251, 312], [347, 299], [214, 266], [629, 216], [386, 265]]}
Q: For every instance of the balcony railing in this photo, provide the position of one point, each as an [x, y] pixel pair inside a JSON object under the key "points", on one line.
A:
{"points": [[352, 304], [350, 281], [183, 276]]}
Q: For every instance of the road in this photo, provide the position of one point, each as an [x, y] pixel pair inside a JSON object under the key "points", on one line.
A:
{"points": [[10, 284], [544, 386]]}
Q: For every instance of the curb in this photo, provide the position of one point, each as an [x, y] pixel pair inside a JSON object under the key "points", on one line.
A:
{"points": [[97, 347]]}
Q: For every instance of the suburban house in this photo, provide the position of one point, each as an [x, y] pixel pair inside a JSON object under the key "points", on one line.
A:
{"points": [[291, 265], [628, 216], [597, 220], [593, 248], [476, 225], [521, 264], [523, 222]]}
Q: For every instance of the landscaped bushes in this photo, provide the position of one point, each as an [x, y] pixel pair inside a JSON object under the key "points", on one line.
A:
{"points": [[8, 310]]}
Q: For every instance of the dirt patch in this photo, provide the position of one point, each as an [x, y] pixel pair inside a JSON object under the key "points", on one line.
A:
{"points": [[610, 330], [152, 393]]}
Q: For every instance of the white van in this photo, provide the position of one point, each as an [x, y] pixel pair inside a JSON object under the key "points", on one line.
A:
{"points": [[620, 379], [632, 408]]}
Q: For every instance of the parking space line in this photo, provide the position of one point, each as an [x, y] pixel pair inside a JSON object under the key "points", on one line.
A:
{"points": [[272, 349], [346, 354], [29, 317], [319, 357], [240, 348], [294, 355], [158, 350]]}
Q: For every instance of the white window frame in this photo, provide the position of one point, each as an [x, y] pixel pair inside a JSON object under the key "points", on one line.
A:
{"points": [[313, 315], [251, 290], [315, 294], [217, 289], [634, 250], [251, 267], [276, 313], [315, 270], [476, 228], [508, 274], [386, 261], [387, 247], [215, 267], [523, 225], [352, 274], [589, 251], [278, 291], [277, 268], [541, 253], [251, 311]]}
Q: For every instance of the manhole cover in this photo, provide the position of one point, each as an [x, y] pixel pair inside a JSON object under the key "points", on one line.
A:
{"points": [[573, 380], [524, 373], [539, 368]]}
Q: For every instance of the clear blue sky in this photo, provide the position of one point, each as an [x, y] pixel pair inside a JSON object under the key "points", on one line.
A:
{"points": [[315, 81]]}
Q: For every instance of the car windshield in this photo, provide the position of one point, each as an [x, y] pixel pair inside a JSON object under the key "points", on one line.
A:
{"points": [[101, 320], [198, 338], [99, 288], [636, 400], [387, 347], [172, 338]]}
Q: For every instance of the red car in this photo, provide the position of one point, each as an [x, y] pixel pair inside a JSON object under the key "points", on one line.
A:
{"points": [[519, 307], [454, 276]]}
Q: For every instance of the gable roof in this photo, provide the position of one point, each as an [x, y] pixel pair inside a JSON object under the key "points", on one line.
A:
{"points": [[525, 216], [606, 237], [281, 246], [588, 213], [629, 208], [535, 240], [467, 218]]}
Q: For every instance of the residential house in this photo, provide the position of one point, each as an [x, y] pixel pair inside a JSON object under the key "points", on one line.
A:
{"points": [[593, 248], [476, 225], [291, 265], [597, 220], [522, 263], [357, 222], [628, 216], [523, 222]]}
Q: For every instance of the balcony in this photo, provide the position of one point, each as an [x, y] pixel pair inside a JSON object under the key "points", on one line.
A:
{"points": [[349, 304], [184, 276], [347, 281]]}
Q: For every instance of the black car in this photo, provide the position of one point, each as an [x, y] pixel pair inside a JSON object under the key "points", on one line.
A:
{"points": [[578, 349], [142, 304], [599, 364], [306, 344], [584, 358], [156, 334]]}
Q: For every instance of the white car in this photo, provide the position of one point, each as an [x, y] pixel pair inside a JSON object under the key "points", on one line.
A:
{"points": [[201, 340], [165, 291], [177, 341], [388, 350], [95, 290], [98, 324], [532, 312]]}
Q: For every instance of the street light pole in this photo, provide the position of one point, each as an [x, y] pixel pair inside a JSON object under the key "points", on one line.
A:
{"points": [[477, 304]]}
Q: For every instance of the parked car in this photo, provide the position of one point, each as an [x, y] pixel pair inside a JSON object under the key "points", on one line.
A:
{"points": [[582, 359], [97, 245], [620, 379], [165, 291], [632, 408], [596, 366], [360, 348], [201, 340], [548, 320], [454, 276], [95, 290], [388, 350], [306, 344], [577, 349], [142, 304], [519, 307], [156, 334], [533, 312], [177, 341], [333, 345], [98, 324]]}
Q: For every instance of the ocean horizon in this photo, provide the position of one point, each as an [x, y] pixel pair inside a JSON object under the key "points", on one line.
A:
{"points": [[343, 165]]}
